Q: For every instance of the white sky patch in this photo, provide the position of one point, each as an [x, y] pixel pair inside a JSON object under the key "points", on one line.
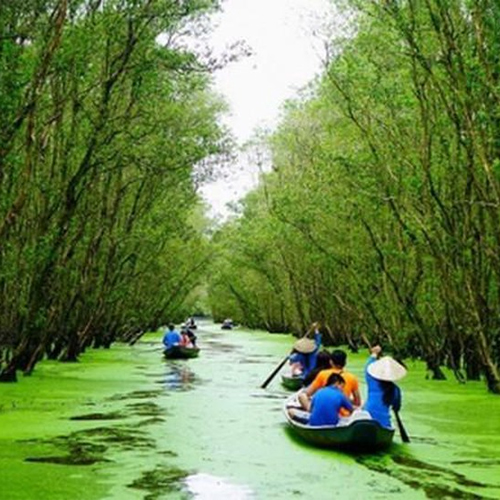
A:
{"points": [[286, 55]]}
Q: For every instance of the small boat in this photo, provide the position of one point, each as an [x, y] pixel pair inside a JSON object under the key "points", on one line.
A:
{"points": [[181, 352], [364, 434], [190, 324], [227, 324], [291, 382]]}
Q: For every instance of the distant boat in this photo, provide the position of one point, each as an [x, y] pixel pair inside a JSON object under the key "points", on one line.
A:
{"points": [[190, 324], [291, 382], [227, 324], [360, 435], [181, 352]]}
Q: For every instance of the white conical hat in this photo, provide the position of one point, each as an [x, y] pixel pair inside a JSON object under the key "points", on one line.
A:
{"points": [[305, 346], [386, 368]]}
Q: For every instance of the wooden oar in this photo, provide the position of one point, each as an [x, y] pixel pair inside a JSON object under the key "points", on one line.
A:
{"points": [[280, 366], [402, 431], [275, 371]]}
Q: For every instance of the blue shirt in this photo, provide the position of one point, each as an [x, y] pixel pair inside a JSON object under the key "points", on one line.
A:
{"points": [[326, 404], [375, 403], [171, 338]]}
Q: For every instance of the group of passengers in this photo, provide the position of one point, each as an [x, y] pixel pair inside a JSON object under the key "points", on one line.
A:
{"points": [[184, 338], [331, 394]]}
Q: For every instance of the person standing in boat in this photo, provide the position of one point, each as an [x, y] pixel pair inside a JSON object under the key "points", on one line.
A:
{"points": [[192, 336], [351, 384], [172, 337], [383, 393], [326, 404], [190, 323], [305, 352]]}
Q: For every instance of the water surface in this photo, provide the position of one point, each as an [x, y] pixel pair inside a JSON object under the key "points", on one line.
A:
{"points": [[126, 424]]}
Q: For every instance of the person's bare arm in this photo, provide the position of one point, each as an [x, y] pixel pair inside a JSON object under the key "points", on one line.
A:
{"points": [[304, 401], [356, 398], [305, 397]]}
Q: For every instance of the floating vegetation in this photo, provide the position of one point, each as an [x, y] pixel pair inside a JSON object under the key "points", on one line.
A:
{"points": [[77, 453], [66, 460], [221, 347], [88, 446], [135, 395], [168, 453], [152, 421], [419, 465], [127, 438], [161, 481], [437, 482], [249, 361], [146, 409], [477, 463], [99, 416]]}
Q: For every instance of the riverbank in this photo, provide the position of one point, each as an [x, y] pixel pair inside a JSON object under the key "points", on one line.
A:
{"points": [[126, 424]]}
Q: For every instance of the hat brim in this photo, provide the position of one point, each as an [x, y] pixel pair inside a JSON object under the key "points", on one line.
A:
{"points": [[305, 346], [387, 369]]}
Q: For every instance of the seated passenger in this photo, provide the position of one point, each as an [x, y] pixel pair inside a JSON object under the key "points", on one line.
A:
{"points": [[326, 403], [185, 339], [323, 362], [383, 393], [172, 337], [351, 387]]}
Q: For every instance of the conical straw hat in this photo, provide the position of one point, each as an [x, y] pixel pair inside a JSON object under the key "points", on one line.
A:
{"points": [[386, 368], [305, 346]]}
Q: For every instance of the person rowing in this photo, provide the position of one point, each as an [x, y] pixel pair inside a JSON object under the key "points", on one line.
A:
{"points": [[303, 358], [383, 393]]}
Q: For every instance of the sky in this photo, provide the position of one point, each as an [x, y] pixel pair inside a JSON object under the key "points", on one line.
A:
{"points": [[286, 55]]}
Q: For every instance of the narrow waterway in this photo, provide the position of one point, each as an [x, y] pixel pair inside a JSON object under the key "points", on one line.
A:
{"points": [[126, 424]]}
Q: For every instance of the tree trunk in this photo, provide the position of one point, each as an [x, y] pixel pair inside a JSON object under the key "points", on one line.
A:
{"points": [[434, 367], [490, 369], [9, 373]]}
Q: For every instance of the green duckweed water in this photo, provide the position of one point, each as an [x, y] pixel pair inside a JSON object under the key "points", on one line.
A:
{"points": [[126, 424]]}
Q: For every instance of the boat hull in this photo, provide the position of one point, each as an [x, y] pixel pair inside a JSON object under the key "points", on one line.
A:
{"points": [[291, 383], [180, 352], [359, 435]]}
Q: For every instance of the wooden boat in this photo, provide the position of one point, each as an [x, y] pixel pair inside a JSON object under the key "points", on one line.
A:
{"points": [[181, 352], [227, 324], [292, 383], [359, 435]]}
